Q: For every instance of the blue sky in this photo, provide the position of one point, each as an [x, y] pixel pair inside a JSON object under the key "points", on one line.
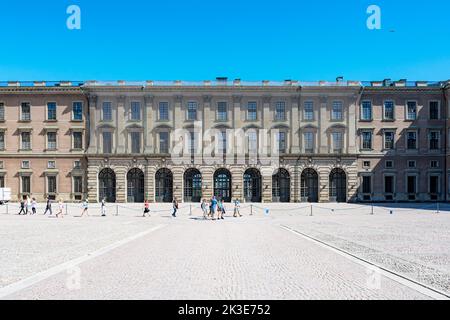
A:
{"points": [[247, 39]]}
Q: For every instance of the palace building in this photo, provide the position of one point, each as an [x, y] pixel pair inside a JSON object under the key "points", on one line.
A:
{"points": [[291, 141]]}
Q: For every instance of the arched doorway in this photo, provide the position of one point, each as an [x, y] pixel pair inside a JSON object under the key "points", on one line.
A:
{"points": [[281, 186], [164, 185], [309, 186], [135, 185], [338, 185], [192, 185], [222, 185], [107, 185], [252, 185]]}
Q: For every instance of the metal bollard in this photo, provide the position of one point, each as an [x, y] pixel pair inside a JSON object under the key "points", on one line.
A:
{"points": [[67, 205], [7, 209], [371, 209], [437, 207], [391, 211], [311, 210], [190, 209], [251, 209], [117, 209]]}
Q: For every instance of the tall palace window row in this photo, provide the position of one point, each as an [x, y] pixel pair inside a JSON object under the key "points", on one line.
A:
{"points": [[411, 110]]}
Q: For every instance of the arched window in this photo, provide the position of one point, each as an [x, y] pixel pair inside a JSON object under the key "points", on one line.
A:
{"points": [[222, 185], [192, 185], [252, 185], [309, 186], [107, 185], [164, 185], [338, 185], [281, 186], [135, 185]]}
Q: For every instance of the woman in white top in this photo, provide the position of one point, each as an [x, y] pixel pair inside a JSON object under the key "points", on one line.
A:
{"points": [[33, 206], [85, 208], [60, 209]]}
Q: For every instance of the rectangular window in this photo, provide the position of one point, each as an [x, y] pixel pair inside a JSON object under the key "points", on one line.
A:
{"points": [[192, 143], [222, 142], [252, 142], [280, 111], [222, 111], [388, 184], [388, 113], [389, 164], [164, 142], [411, 184], [337, 142], [25, 114], [282, 142], [434, 110], [77, 140], [366, 110], [107, 142], [135, 142], [434, 140], [434, 185], [51, 184], [411, 140], [163, 111], [51, 140], [367, 184], [2, 140], [308, 138], [77, 111], [26, 185], [51, 164], [251, 111], [2, 111], [388, 140], [336, 112], [51, 111], [2, 181], [77, 164], [77, 184], [366, 164], [135, 111], [26, 140], [107, 111], [308, 112], [411, 164], [192, 110], [434, 164], [411, 110], [367, 140], [25, 164]]}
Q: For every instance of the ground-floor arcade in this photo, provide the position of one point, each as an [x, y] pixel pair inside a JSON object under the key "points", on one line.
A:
{"points": [[159, 180]]}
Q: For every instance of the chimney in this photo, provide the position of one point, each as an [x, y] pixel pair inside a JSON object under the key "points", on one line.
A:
{"points": [[39, 83], [121, 82], [340, 79], [149, 83], [237, 82], [13, 84], [207, 82], [386, 82], [222, 80], [65, 83], [265, 82]]}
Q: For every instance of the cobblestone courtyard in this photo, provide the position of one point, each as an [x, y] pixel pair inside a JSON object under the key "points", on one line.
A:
{"points": [[289, 252]]}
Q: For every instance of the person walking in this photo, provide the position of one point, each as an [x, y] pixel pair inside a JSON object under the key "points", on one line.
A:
{"points": [[48, 206], [220, 210], [60, 208], [146, 208], [204, 206], [103, 207], [33, 206], [175, 207], [237, 205], [22, 207], [213, 206], [85, 206], [28, 205]]}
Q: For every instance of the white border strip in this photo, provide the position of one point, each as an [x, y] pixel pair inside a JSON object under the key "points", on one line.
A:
{"points": [[413, 284], [27, 282]]}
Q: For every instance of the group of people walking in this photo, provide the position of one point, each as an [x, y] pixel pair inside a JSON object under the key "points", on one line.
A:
{"points": [[217, 205], [213, 209]]}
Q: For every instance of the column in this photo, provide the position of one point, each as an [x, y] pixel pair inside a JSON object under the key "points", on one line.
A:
{"points": [[120, 135], [237, 181], [121, 187], [148, 124], [295, 124], [178, 173], [266, 173], [92, 183], [351, 125], [92, 123], [149, 187], [322, 138], [324, 174], [207, 181]]}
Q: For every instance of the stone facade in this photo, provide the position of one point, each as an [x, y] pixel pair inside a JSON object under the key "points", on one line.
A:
{"points": [[315, 141]]}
